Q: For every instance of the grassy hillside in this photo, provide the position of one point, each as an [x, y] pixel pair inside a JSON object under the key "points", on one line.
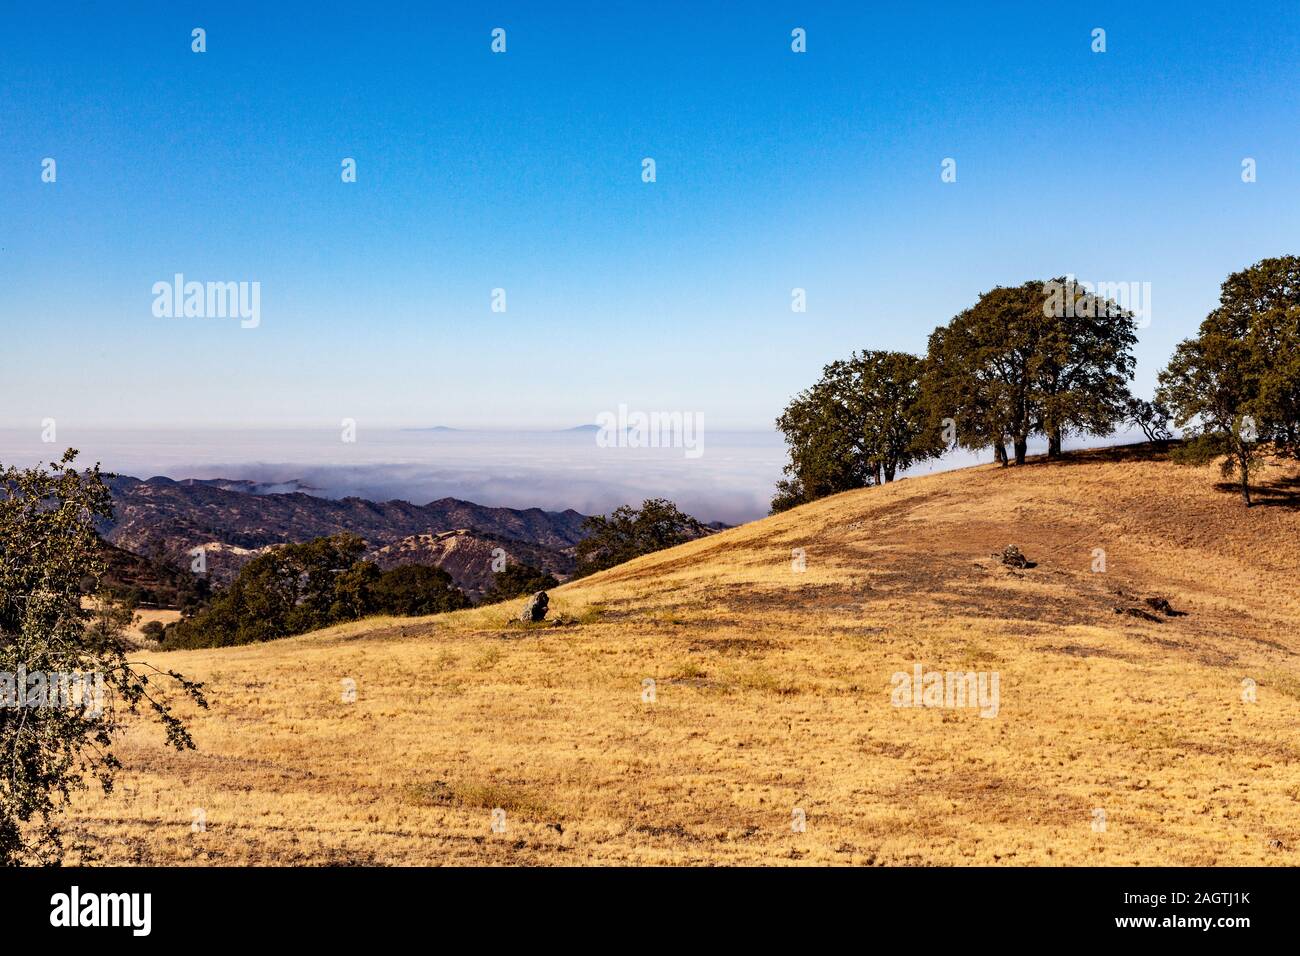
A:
{"points": [[773, 692]]}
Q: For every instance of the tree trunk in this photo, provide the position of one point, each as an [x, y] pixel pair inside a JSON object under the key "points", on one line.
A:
{"points": [[1054, 443], [1000, 453], [1245, 482], [1022, 444], [879, 481], [889, 472]]}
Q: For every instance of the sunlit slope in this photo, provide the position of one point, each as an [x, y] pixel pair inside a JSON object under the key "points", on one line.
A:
{"points": [[772, 693]]}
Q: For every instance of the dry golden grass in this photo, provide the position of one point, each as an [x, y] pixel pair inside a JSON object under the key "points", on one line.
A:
{"points": [[145, 615], [135, 633], [773, 692]]}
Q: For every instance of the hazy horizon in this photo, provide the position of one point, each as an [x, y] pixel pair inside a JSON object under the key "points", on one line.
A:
{"points": [[733, 480]]}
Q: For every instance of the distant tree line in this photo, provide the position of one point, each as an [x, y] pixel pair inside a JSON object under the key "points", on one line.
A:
{"points": [[515, 580], [137, 580], [295, 588], [1048, 359]]}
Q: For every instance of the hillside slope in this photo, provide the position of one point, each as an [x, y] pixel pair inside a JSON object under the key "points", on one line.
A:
{"points": [[772, 695]]}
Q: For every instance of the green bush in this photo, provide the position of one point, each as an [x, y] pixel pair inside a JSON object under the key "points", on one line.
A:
{"points": [[628, 533]]}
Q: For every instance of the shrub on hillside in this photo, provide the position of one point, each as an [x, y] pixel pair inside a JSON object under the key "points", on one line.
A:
{"points": [[628, 533]]}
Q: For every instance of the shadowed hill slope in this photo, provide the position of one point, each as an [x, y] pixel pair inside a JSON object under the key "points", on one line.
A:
{"points": [[1118, 738]]}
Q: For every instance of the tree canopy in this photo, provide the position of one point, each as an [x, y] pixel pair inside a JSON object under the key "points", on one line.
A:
{"points": [[1041, 358], [1259, 308], [1236, 385], [517, 579], [627, 533], [860, 424], [64, 673]]}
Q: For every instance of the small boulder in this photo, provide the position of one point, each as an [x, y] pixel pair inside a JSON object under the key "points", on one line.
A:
{"points": [[1012, 557], [535, 609]]}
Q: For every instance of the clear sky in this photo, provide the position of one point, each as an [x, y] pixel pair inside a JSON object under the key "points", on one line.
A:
{"points": [[522, 171]]}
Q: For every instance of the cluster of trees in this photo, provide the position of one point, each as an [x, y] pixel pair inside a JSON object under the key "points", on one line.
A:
{"points": [[297, 588], [860, 424], [1051, 358], [149, 581], [627, 533], [1043, 358]]}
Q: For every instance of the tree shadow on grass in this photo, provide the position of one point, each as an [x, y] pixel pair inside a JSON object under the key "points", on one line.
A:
{"points": [[1283, 493], [1139, 451]]}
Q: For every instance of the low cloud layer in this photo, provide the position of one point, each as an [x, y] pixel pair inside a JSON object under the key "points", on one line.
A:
{"points": [[733, 481]]}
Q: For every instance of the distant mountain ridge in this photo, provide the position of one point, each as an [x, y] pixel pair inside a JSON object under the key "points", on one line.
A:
{"points": [[234, 520]]}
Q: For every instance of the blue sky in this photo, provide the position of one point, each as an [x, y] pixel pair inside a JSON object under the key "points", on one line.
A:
{"points": [[523, 171]]}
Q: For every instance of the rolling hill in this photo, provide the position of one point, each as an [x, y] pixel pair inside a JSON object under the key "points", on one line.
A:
{"points": [[1146, 713]]}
